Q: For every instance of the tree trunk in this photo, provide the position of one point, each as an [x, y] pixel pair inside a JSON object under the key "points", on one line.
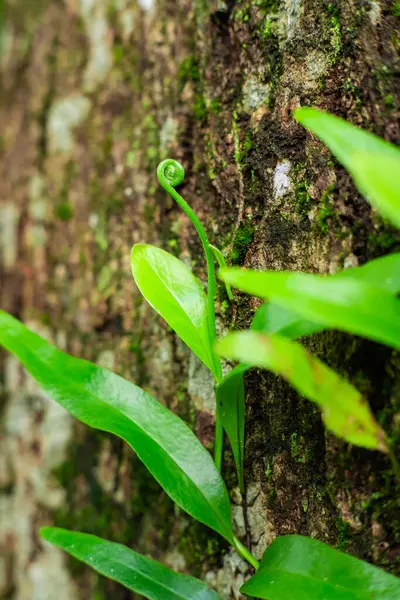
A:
{"points": [[94, 94]]}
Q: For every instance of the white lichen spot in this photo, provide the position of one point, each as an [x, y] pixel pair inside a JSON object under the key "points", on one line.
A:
{"points": [[201, 386], [37, 433], [9, 217], [255, 93], [350, 261], [37, 198], [231, 577], [375, 12], [316, 64], [127, 20], [125, 11], [65, 115], [48, 577], [292, 10], [37, 236], [106, 359], [168, 133], [146, 4], [94, 15], [93, 220], [282, 183]]}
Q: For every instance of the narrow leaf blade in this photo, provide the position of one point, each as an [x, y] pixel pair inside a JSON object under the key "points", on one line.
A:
{"points": [[312, 570], [176, 294], [105, 401], [272, 318], [344, 411], [230, 399], [373, 163], [134, 571], [343, 303]]}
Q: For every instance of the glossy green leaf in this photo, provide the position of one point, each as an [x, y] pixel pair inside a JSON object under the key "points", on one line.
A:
{"points": [[230, 399], [176, 294], [344, 410], [105, 401], [344, 303], [221, 263], [271, 318], [373, 163], [138, 573], [300, 568]]}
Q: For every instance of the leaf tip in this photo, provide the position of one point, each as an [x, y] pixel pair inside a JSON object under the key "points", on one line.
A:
{"points": [[46, 533]]}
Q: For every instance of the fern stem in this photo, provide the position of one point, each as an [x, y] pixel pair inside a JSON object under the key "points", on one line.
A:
{"points": [[171, 173]]}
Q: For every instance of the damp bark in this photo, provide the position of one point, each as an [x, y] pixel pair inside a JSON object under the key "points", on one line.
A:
{"points": [[94, 95]]}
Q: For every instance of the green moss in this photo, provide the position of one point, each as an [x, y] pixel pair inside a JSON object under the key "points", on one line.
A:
{"points": [[151, 133], [383, 239], [64, 211], [326, 210], [118, 53], [389, 100], [396, 9], [216, 106], [344, 534], [244, 237], [244, 148], [267, 5], [199, 107], [201, 11], [302, 199], [335, 32], [188, 71], [298, 448], [267, 28]]}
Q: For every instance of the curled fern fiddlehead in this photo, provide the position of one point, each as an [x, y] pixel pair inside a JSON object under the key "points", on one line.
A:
{"points": [[170, 172]]}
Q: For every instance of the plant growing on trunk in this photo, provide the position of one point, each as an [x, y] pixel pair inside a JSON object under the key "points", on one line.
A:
{"points": [[361, 300]]}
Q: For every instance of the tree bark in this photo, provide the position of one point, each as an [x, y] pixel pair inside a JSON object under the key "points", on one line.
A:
{"points": [[94, 93]]}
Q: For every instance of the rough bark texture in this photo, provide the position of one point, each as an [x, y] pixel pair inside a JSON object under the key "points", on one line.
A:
{"points": [[94, 94]]}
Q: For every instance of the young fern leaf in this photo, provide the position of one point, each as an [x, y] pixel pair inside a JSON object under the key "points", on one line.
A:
{"points": [[373, 163], [302, 568], [138, 573], [343, 303], [177, 295], [344, 410], [105, 401], [171, 173], [222, 263]]}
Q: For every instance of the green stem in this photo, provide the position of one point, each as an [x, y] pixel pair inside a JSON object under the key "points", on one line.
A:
{"points": [[244, 553], [171, 173]]}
